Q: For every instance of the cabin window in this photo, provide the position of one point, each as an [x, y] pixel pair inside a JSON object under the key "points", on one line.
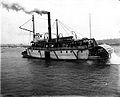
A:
{"points": [[60, 51], [71, 51], [66, 51]]}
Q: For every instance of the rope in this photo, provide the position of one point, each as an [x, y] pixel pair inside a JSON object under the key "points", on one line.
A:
{"points": [[26, 22], [64, 28], [68, 28], [53, 25]]}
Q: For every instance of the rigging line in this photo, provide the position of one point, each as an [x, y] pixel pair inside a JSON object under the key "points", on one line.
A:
{"points": [[67, 27], [70, 28], [30, 37], [52, 28], [64, 28], [26, 22], [61, 30], [53, 25]]}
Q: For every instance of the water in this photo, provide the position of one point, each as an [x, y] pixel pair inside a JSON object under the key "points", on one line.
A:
{"points": [[22, 76]]}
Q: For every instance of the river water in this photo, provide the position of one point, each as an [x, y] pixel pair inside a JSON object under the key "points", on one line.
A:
{"points": [[33, 77]]}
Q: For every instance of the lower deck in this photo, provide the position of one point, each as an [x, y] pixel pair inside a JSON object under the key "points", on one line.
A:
{"points": [[63, 54]]}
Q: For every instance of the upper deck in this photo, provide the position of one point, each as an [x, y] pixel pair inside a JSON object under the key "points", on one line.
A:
{"points": [[64, 43]]}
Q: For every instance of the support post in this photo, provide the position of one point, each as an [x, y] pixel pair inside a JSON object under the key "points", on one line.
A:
{"points": [[47, 53], [57, 28], [90, 24], [33, 27]]}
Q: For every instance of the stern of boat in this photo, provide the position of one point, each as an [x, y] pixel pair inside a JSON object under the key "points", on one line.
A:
{"points": [[100, 52], [108, 49]]}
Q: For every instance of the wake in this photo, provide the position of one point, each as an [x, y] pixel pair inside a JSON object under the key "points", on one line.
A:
{"points": [[115, 59]]}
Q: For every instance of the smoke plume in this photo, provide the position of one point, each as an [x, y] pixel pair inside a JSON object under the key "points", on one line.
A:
{"points": [[17, 7]]}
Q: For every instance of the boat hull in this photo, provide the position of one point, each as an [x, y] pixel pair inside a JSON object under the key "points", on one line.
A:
{"points": [[68, 54]]}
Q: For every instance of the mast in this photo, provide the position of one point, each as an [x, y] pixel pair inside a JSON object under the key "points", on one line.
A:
{"points": [[57, 29], [33, 27], [90, 24], [49, 26]]}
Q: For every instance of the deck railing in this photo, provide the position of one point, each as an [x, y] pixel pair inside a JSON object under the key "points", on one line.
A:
{"points": [[60, 48]]}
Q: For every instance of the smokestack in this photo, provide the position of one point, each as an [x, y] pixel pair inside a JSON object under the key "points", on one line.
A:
{"points": [[49, 26], [16, 7]]}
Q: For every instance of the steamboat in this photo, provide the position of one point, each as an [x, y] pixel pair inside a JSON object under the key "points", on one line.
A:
{"points": [[64, 48]]}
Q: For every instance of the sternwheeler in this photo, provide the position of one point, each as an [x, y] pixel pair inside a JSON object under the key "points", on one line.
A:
{"points": [[62, 47]]}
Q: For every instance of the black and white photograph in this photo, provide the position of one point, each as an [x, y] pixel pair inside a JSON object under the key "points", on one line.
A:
{"points": [[60, 48]]}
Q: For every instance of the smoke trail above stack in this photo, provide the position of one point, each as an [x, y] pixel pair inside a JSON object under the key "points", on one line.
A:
{"points": [[16, 7]]}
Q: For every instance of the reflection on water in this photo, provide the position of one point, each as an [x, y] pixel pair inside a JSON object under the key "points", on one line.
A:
{"points": [[22, 76], [119, 78]]}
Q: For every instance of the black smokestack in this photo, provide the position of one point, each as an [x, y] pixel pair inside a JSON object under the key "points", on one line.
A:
{"points": [[17, 7]]}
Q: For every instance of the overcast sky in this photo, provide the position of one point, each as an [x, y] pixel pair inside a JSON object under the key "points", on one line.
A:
{"points": [[105, 18]]}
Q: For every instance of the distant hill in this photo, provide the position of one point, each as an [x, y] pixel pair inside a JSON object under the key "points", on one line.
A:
{"points": [[110, 41], [13, 45]]}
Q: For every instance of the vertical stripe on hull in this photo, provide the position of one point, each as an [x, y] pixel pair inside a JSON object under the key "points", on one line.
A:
{"points": [[63, 54], [37, 53]]}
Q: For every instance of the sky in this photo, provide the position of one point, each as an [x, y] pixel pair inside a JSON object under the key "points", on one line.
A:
{"points": [[105, 18]]}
